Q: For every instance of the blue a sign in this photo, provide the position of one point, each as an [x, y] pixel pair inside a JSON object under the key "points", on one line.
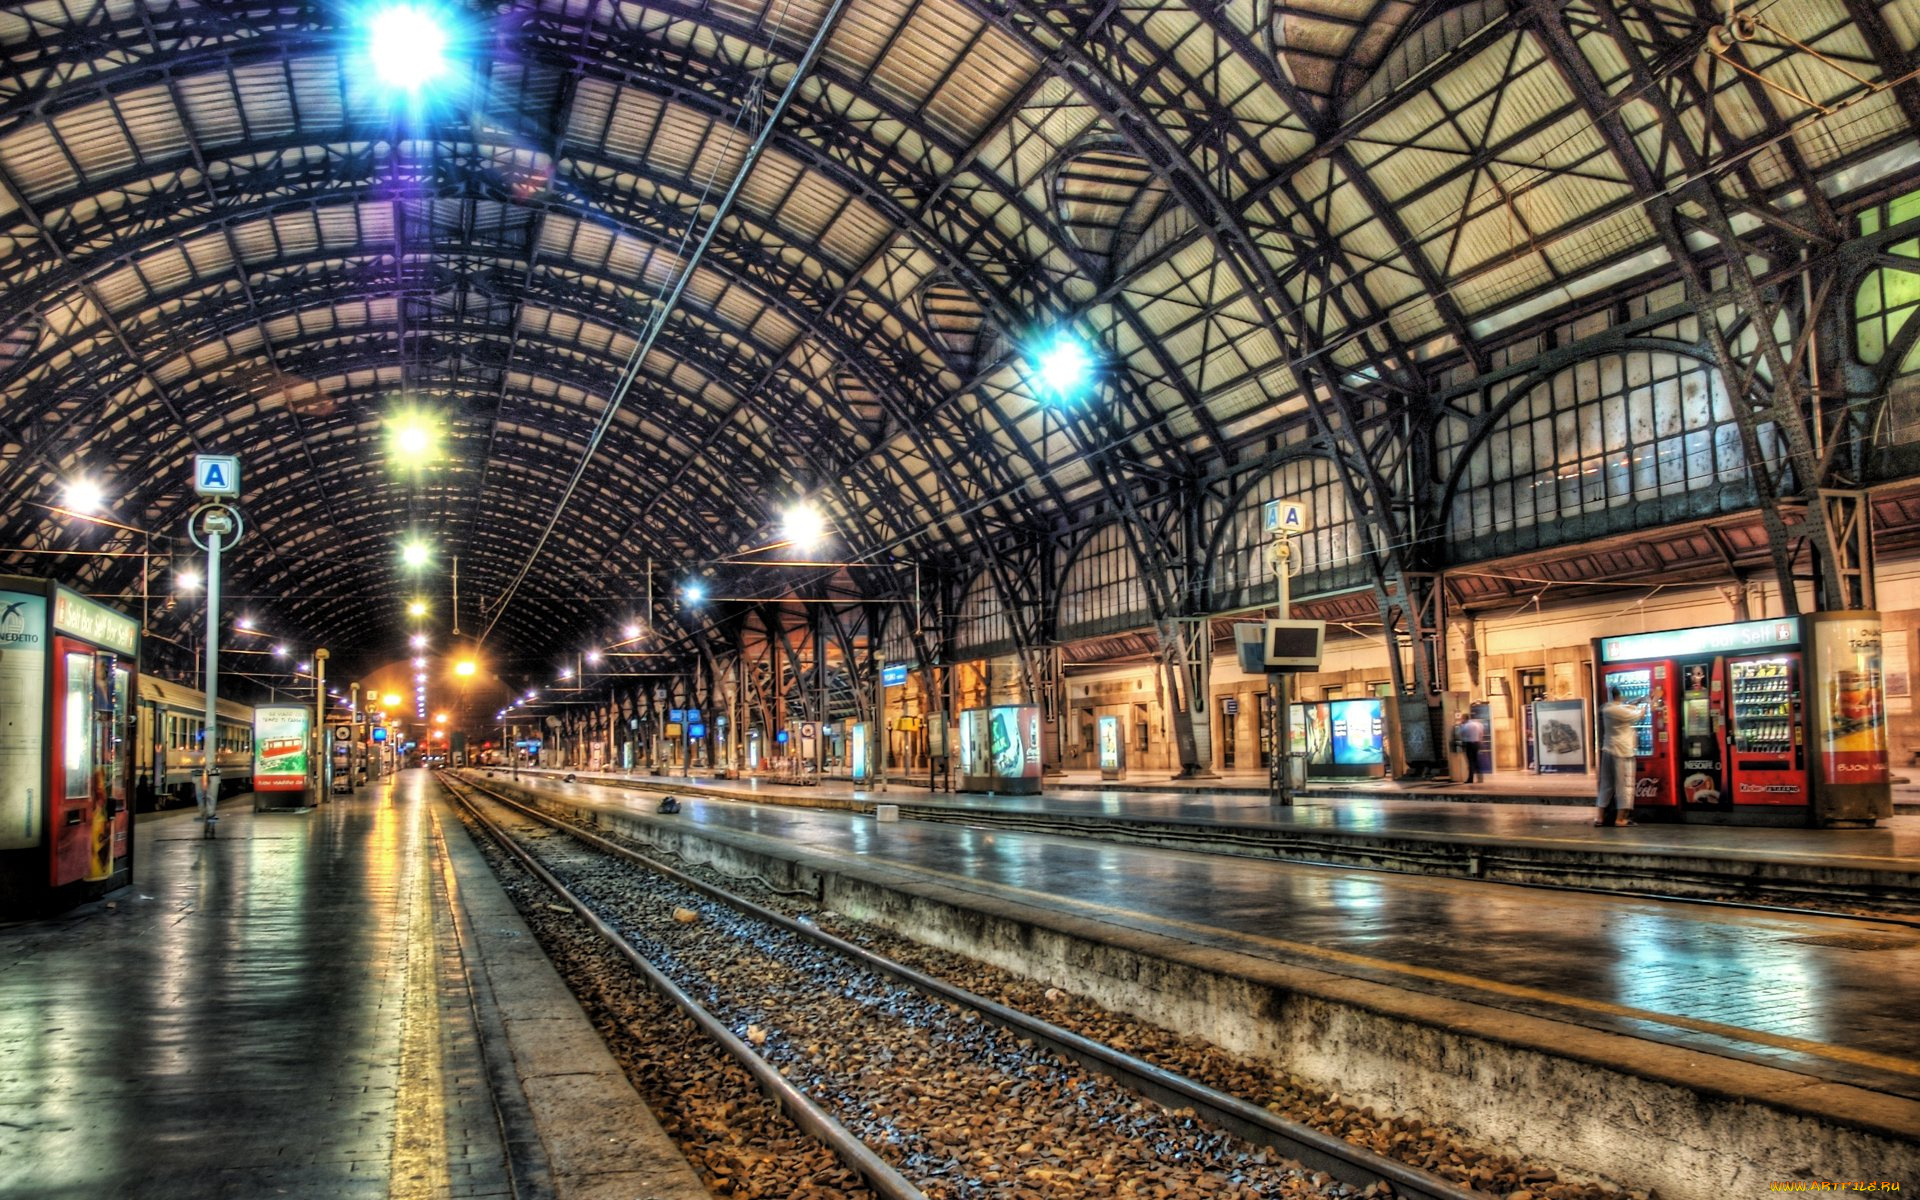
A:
{"points": [[677, 715], [781, 737], [1285, 516], [216, 475], [894, 676], [696, 732]]}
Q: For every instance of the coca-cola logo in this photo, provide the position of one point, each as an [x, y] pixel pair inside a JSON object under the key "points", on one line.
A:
{"points": [[1646, 789]]}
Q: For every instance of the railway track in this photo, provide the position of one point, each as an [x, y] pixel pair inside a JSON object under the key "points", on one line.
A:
{"points": [[920, 1087]]}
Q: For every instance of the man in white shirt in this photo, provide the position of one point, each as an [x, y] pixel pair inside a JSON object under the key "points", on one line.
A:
{"points": [[1618, 751]]}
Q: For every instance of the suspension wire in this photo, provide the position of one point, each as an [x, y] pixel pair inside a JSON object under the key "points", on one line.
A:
{"points": [[663, 307]]}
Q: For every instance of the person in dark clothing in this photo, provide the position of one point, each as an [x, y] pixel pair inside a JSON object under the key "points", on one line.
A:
{"points": [[1470, 732]]}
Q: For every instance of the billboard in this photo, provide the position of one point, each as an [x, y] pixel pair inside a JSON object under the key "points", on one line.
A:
{"points": [[280, 747], [1110, 743], [1849, 702], [1560, 736], [23, 735], [1358, 732]]}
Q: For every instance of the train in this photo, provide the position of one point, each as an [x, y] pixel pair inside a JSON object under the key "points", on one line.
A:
{"points": [[166, 747]]}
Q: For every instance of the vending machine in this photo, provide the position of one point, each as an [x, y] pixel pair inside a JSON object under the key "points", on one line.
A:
{"points": [[67, 667], [1774, 721], [1649, 686]]}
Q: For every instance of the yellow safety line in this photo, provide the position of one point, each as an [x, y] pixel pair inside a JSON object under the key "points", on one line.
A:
{"points": [[1847, 1054], [418, 1168]]}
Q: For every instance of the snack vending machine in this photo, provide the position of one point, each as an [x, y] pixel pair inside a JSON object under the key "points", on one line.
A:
{"points": [[1765, 714]]}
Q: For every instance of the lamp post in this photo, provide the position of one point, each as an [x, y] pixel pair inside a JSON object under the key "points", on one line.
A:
{"points": [[322, 752], [214, 521], [1279, 684]]}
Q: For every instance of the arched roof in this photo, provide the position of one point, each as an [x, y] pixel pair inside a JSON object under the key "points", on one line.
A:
{"points": [[219, 234]]}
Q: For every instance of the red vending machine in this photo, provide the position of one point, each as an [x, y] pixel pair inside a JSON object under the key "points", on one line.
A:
{"points": [[66, 675], [1761, 722], [1766, 717], [1649, 684]]}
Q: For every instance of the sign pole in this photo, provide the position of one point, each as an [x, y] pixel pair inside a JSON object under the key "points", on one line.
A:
{"points": [[210, 736], [1279, 686], [216, 479], [1283, 518]]}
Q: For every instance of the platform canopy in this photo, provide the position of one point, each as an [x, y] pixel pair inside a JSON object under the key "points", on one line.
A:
{"points": [[225, 228]]}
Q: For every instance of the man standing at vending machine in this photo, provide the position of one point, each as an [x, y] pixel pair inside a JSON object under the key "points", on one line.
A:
{"points": [[1618, 752]]}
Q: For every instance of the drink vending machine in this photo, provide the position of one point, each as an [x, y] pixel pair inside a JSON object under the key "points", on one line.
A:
{"points": [[1754, 722], [67, 673]]}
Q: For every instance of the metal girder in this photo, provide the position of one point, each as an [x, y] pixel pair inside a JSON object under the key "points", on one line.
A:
{"points": [[1743, 303]]}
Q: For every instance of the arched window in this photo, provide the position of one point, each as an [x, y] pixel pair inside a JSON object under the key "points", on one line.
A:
{"points": [[1329, 550], [1102, 592], [1601, 435], [982, 627]]}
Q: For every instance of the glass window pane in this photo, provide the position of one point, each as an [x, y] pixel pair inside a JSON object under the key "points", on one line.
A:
{"points": [[76, 755]]}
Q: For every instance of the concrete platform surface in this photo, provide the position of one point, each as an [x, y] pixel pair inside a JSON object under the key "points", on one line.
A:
{"points": [[332, 1003], [1550, 844], [1825, 998]]}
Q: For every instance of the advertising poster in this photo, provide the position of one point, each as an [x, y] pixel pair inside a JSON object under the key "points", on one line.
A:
{"points": [[1109, 735], [1358, 733], [1893, 671], [1013, 742], [1310, 732], [280, 747], [1849, 704], [23, 665], [857, 750], [1560, 736]]}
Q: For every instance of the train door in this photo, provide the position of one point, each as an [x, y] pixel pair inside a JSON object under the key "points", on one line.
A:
{"points": [[85, 822]]}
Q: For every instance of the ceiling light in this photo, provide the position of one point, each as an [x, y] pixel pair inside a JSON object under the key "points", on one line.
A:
{"points": [[1064, 367], [84, 496], [408, 46], [803, 527]]}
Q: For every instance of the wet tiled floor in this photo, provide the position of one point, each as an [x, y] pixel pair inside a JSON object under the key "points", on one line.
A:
{"points": [[278, 1011]]}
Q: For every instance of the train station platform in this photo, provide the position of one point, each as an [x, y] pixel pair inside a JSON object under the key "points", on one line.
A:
{"points": [[1633, 1030], [339, 1002], [1542, 844]]}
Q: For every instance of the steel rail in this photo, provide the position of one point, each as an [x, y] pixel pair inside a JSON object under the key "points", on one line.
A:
{"points": [[1312, 1148], [879, 1174]]}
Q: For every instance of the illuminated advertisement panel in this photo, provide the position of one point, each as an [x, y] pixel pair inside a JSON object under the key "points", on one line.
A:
{"points": [[857, 751], [1358, 733], [280, 747], [23, 735], [1849, 704], [1109, 741]]}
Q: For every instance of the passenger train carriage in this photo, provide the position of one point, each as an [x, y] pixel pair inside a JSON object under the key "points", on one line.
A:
{"points": [[167, 753]]}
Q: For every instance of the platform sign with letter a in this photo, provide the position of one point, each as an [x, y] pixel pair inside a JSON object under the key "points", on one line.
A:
{"points": [[1286, 516], [216, 475]]}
